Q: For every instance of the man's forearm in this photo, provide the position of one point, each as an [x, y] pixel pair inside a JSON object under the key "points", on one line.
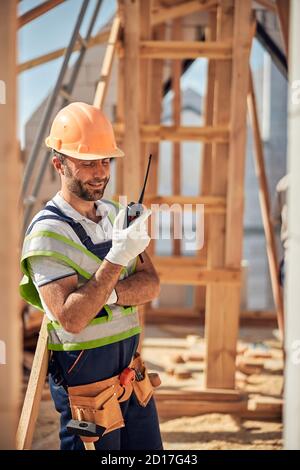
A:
{"points": [[82, 305], [139, 288]]}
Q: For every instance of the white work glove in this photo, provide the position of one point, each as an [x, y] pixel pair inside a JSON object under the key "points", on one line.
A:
{"points": [[129, 242]]}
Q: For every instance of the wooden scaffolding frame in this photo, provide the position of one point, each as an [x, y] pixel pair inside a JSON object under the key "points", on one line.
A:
{"points": [[224, 135], [215, 271]]}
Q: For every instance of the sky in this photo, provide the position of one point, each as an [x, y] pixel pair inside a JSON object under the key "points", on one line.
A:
{"points": [[52, 31]]}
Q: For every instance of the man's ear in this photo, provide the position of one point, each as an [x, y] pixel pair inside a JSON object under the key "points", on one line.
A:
{"points": [[58, 165]]}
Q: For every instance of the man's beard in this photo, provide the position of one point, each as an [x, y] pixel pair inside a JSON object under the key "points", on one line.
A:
{"points": [[83, 190]]}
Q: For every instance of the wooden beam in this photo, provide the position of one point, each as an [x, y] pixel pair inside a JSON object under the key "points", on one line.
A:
{"points": [[94, 41], [221, 341], [283, 10], [103, 82], [144, 110], [10, 171], [37, 11], [243, 35], [176, 157], [145, 84], [256, 408], [206, 161], [185, 49], [163, 14], [196, 276], [156, 94], [249, 317], [265, 205], [132, 175], [178, 408], [170, 313], [170, 393], [212, 204], [157, 133], [175, 260], [34, 390], [220, 337]]}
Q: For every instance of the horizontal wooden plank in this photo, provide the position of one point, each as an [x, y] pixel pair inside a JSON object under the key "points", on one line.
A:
{"points": [[29, 64], [168, 393], [185, 50], [157, 133], [162, 14], [212, 204], [194, 275], [178, 408], [176, 260], [163, 315], [257, 408]]}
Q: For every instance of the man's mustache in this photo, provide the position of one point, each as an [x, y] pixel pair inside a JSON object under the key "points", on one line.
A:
{"points": [[97, 181]]}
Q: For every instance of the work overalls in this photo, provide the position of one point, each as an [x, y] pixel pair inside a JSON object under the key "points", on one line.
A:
{"points": [[66, 368]]}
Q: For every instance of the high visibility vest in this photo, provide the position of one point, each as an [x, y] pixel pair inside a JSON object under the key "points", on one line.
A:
{"points": [[114, 323]]}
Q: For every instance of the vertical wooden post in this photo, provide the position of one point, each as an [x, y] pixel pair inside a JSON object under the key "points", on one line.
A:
{"points": [[119, 190], [242, 40], [119, 118], [223, 301], [218, 357], [132, 170], [200, 291], [10, 324], [176, 76], [145, 74], [156, 98]]}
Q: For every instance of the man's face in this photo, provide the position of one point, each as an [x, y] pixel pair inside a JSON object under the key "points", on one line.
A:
{"points": [[86, 179]]}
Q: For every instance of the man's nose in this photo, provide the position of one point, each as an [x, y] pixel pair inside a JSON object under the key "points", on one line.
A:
{"points": [[99, 170]]}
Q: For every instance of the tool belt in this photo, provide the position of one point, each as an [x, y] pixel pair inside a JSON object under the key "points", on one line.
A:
{"points": [[99, 402]]}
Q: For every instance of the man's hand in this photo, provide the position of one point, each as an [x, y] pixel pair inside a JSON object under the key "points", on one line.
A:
{"points": [[129, 242]]}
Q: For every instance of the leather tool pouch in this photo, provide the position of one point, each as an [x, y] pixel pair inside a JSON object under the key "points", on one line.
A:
{"points": [[92, 403], [142, 388]]}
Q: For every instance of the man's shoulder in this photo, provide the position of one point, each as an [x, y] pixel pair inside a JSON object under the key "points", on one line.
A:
{"points": [[43, 221]]}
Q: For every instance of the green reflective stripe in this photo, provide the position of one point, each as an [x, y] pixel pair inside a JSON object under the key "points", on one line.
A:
{"points": [[29, 293], [68, 241], [95, 343], [59, 256], [109, 311], [55, 325], [129, 310]]}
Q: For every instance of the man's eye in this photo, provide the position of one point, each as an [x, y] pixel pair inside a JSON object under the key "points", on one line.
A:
{"points": [[106, 161]]}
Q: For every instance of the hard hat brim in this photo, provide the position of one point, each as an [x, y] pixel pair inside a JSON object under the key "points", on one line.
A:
{"points": [[91, 156]]}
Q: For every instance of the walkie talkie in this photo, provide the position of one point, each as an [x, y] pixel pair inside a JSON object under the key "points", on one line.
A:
{"points": [[135, 209]]}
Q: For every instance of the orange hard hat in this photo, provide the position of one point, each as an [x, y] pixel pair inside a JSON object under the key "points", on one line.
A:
{"points": [[82, 131]]}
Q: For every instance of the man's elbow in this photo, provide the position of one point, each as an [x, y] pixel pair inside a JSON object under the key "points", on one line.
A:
{"points": [[71, 325]]}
